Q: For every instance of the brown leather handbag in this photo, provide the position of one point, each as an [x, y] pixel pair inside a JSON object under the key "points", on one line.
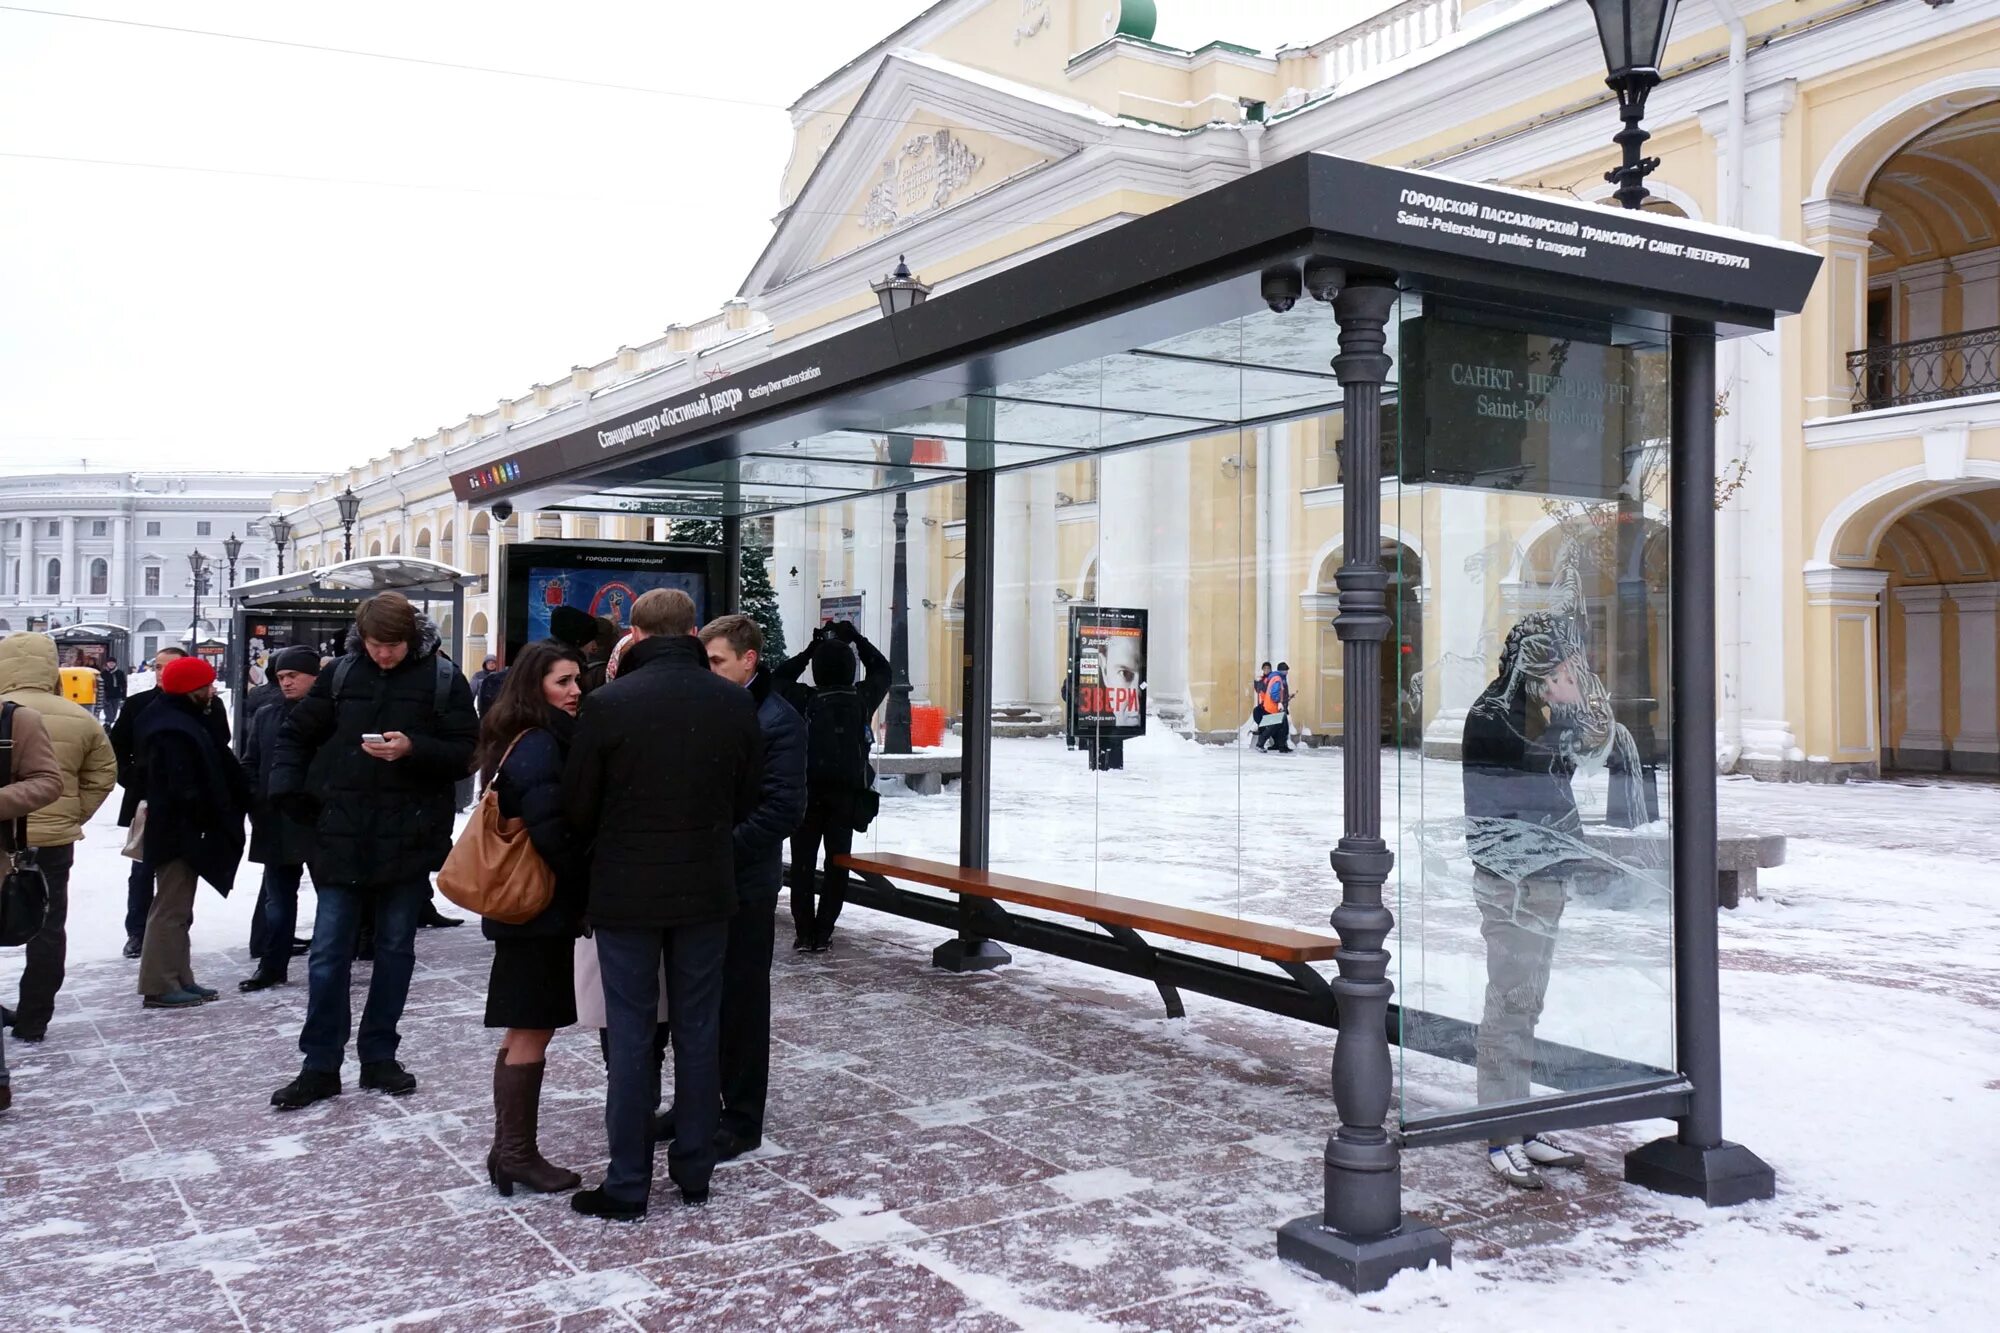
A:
{"points": [[493, 868]]}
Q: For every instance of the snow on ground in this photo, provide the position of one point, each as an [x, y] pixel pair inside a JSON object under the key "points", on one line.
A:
{"points": [[1037, 1147]]}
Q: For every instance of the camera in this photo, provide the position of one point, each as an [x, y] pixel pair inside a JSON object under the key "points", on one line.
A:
{"points": [[503, 510], [1281, 287], [1324, 278]]}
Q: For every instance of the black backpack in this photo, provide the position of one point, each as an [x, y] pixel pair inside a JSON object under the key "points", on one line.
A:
{"points": [[837, 742]]}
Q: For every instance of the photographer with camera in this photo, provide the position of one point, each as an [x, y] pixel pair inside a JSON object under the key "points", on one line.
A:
{"points": [[840, 783]]}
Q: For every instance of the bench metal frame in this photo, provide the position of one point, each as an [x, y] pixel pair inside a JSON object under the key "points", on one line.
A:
{"points": [[1596, 1088]]}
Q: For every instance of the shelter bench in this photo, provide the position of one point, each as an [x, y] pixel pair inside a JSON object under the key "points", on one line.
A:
{"points": [[980, 920], [1739, 855], [925, 774]]}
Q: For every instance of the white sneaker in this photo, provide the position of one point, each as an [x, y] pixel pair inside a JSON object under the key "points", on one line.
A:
{"points": [[1545, 1151], [1512, 1165]]}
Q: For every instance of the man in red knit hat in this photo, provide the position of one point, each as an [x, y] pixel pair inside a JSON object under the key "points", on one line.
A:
{"points": [[195, 800]]}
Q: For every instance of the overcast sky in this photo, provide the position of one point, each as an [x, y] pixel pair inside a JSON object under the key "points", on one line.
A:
{"points": [[321, 256]]}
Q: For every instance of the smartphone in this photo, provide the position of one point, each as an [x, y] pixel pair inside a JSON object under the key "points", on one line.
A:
{"points": [[373, 738]]}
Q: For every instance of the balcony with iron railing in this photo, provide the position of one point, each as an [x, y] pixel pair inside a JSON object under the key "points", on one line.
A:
{"points": [[1926, 370]]}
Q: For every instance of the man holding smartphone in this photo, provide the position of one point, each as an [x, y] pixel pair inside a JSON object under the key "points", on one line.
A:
{"points": [[370, 758]]}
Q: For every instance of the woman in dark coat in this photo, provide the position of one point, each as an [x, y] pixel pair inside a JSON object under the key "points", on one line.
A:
{"points": [[524, 740]]}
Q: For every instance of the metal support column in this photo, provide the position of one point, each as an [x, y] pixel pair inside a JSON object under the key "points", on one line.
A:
{"points": [[732, 562], [971, 951], [1360, 1238], [1697, 1162]]}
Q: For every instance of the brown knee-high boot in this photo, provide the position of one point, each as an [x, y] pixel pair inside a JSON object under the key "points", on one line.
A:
{"points": [[515, 1159]]}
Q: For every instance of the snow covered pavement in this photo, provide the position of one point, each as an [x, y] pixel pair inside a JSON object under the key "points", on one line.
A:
{"points": [[1036, 1147]]}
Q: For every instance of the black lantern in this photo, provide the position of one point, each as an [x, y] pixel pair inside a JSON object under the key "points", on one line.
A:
{"points": [[1634, 36], [232, 546], [197, 580], [281, 537], [350, 509], [900, 290]]}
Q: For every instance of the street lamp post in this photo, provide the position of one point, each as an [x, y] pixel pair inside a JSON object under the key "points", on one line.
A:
{"points": [[1634, 36], [281, 536], [896, 722], [350, 509], [197, 576], [898, 292], [232, 547]]}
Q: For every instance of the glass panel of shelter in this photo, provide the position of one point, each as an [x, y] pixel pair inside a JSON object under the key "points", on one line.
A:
{"points": [[1169, 521], [1526, 542]]}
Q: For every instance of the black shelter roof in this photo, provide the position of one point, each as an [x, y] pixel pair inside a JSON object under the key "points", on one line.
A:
{"points": [[1124, 326]]}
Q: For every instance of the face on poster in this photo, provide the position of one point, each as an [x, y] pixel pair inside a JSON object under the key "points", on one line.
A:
{"points": [[601, 592], [1108, 670]]}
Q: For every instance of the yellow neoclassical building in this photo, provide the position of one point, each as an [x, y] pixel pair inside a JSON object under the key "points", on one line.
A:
{"points": [[1859, 495]]}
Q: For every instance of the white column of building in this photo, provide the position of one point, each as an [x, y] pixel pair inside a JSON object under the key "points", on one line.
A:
{"points": [[1288, 573], [1764, 570], [1923, 742], [788, 576], [121, 540], [1975, 745], [1011, 593], [30, 582], [1267, 581], [924, 506], [874, 557], [1167, 577], [1456, 580], [1047, 617], [71, 585]]}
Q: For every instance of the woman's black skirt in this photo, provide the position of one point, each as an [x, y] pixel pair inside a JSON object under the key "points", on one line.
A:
{"points": [[533, 984]]}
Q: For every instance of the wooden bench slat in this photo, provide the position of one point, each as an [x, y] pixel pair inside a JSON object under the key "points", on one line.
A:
{"points": [[1280, 944]]}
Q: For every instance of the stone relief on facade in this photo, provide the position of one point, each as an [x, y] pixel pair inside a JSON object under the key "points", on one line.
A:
{"points": [[921, 176], [1034, 18]]}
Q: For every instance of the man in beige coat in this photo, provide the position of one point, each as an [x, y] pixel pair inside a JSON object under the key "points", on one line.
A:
{"points": [[29, 678], [33, 780]]}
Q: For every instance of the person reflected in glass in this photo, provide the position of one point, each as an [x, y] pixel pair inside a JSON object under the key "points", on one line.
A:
{"points": [[1545, 715]]}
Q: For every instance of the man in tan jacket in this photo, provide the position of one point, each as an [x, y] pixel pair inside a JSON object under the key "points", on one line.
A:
{"points": [[33, 780], [89, 770]]}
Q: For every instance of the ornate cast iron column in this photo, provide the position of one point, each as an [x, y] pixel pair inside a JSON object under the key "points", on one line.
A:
{"points": [[1361, 1239]]}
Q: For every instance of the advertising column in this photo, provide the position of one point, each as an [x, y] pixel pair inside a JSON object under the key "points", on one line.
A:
{"points": [[1107, 685]]}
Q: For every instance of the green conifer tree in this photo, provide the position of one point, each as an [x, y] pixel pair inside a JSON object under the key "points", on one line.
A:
{"points": [[759, 600]]}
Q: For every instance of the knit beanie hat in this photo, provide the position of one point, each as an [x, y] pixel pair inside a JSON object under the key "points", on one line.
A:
{"points": [[298, 657], [573, 626], [185, 675]]}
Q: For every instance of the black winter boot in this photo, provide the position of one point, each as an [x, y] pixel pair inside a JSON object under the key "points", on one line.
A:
{"points": [[310, 1086]]}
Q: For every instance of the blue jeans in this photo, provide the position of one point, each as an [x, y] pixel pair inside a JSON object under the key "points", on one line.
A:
{"points": [[278, 905], [630, 963], [323, 1040]]}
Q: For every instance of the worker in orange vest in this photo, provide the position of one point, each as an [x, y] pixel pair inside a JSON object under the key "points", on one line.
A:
{"points": [[1274, 728]]}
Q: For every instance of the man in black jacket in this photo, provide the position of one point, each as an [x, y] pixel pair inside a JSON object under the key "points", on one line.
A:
{"points": [[132, 777], [195, 801], [372, 754], [279, 840], [735, 646], [664, 768], [840, 793], [111, 690]]}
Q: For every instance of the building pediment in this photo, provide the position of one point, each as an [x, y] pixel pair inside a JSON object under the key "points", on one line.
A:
{"points": [[910, 150]]}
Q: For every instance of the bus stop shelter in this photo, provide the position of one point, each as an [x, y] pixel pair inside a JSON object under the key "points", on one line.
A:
{"points": [[1509, 401], [315, 607]]}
